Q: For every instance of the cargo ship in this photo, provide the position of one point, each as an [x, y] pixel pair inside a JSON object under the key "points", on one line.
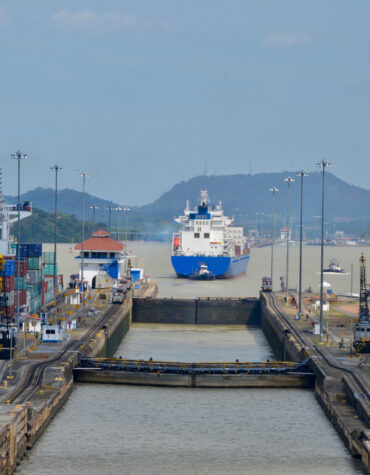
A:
{"points": [[208, 238]]}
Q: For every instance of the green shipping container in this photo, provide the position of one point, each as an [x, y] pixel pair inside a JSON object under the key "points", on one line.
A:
{"points": [[34, 263], [21, 282], [49, 257]]}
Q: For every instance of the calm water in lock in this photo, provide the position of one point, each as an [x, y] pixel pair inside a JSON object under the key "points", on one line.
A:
{"points": [[106, 429]]}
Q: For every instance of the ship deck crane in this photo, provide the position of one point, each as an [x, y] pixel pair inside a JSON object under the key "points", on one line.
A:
{"points": [[362, 328]]}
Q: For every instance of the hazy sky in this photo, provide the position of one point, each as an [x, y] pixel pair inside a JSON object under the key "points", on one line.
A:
{"points": [[142, 93]]}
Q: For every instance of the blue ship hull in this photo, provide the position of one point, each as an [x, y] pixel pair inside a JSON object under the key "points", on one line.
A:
{"points": [[221, 267]]}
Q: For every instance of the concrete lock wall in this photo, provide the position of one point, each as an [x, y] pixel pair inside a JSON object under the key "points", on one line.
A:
{"points": [[201, 311]]}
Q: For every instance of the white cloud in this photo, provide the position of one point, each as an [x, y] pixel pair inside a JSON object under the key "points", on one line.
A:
{"points": [[92, 22], [287, 40], [4, 17]]}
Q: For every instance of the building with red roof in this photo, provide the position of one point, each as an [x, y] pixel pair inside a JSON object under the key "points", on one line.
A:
{"points": [[101, 255]]}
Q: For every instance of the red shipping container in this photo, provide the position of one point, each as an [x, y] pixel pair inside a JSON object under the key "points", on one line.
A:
{"points": [[60, 279], [8, 283], [10, 258], [23, 268], [22, 297]]}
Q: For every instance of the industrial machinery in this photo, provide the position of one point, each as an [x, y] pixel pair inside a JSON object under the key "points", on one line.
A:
{"points": [[266, 284], [118, 295], [362, 328]]}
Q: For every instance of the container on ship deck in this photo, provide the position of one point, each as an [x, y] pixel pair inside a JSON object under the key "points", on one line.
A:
{"points": [[30, 250], [23, 268], [48, 269], [33, 277], [48, 257], [8, 283], [19, 283], [8, 268], [34, 263], [22, 297]]}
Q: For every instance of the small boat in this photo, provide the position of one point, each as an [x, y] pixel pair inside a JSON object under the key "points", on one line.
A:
{"points": [[334, 267], [203, 273]]}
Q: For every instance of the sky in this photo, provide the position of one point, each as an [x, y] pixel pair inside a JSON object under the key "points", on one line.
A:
{"points": [[145, 94]]}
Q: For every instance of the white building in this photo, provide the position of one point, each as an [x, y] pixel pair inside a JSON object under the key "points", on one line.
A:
{"points": [[102, 256]]}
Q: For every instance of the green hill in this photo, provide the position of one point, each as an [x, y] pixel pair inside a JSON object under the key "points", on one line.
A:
{"points": [[246, 197]]}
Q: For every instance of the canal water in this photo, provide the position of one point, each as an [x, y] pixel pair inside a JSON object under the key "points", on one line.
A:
{"points": [[107, 429]]}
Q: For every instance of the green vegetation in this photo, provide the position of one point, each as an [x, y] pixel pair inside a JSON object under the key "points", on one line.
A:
{"points": [[40, 228]]}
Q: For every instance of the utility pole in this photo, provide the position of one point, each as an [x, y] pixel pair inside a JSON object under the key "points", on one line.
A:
{"points": [[18, 156], [302, 174], [55, 169], [323, 164], [83, 175], [109, 208], [126, 211], [288, 180], [274, 190], [118, 209], [94, 208]]}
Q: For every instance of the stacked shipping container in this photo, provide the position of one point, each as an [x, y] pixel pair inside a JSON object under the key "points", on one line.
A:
{"points": [[35, 280]]}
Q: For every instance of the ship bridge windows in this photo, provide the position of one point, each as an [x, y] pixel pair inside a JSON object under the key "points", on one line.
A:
{"points": [[206, 235], [196, 235]]}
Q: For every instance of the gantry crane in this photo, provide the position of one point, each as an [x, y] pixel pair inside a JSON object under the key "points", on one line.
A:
{"points": [[362, 328]]}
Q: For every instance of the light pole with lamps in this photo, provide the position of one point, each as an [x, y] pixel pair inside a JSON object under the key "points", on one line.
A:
{"points": [[118, 209], [288, 180], [18, 156], [274, 190], [302, 174], [109, 208], [83, 175], [55, 169], [94, 208], [126, 210], [323, 164]]}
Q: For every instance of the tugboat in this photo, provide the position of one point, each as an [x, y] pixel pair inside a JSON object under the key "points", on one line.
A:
{"points": [[203, 273], [334, 267]]}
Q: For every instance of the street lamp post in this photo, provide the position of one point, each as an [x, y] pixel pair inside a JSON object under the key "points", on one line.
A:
{"points": [[83, 175], [94, 208], [323, 164], [19, 156], [302, 174], [288, 180], [274, 190], [126, 211], [55, 169], [109, 208], [118, 209]]}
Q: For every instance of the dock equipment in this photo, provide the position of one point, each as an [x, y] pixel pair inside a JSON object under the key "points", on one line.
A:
{"points": [[264, 367], [362, 328], [266, 284], [269, 374]]}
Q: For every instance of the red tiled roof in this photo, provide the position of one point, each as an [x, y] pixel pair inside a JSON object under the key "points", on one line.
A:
{"points": [[100, 233], [100, 241]]}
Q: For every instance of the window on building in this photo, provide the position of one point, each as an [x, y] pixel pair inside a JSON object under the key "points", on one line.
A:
{"points": [[206, 235], [196, 235], [111, 254]]}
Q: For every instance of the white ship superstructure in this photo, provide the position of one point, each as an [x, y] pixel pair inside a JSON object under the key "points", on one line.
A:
{"points": [[207, 234]]}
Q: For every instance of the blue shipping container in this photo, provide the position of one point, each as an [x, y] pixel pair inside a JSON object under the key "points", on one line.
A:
{"points": [[9, 268]]}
